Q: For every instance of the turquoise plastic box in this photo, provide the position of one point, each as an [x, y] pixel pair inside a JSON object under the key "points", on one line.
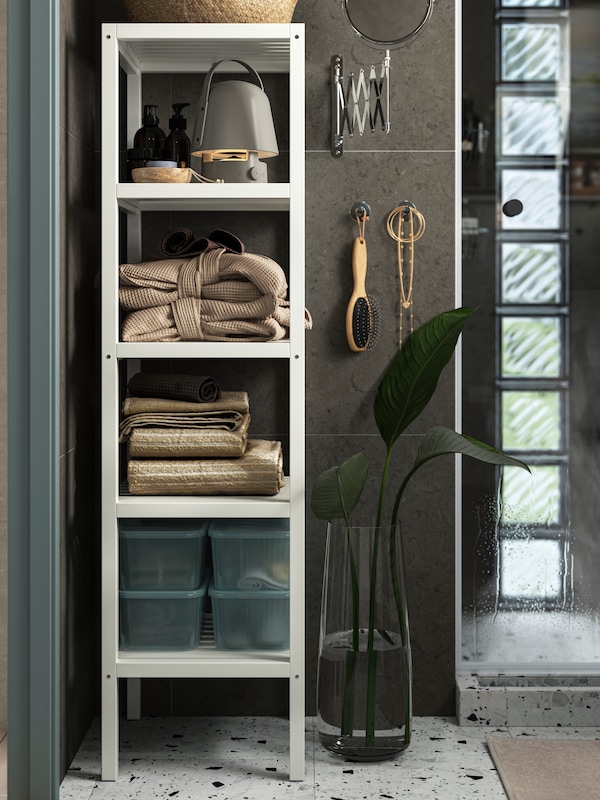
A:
{"points": [[162, 620], [250, 620], [250, 554], [165, 554]]}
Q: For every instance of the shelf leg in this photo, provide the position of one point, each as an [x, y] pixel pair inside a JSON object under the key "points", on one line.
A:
{"points": [[134, 698], [110, 728], [297, 726]]}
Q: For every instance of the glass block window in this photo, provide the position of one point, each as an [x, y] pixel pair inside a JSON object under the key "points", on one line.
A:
{"points": [[531, 3], [540, 192], [531, 126], [531, 52], [530, 273], [531, 499], [531, 420], [531, 347], [530, 568]]}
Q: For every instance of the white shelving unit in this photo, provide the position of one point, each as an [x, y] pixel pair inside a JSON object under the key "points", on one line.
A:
{"points": [[193, 48]]}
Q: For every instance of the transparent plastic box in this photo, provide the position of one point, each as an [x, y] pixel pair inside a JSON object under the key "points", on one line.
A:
{"points": [[250, 620], [166, 554], [250, 554], [162, 620]]}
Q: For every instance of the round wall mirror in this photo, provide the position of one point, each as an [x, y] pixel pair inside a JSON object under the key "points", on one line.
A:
{"points": [[388, 23]]}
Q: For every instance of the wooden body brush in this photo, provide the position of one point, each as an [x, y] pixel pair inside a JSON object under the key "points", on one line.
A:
{"points": [[362, 315]]}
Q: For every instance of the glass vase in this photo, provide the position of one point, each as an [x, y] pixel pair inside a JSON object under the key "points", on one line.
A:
{"points": [[364, 690]]}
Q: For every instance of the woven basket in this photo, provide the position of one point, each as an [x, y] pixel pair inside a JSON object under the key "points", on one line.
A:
{"points": [[210, 10]]}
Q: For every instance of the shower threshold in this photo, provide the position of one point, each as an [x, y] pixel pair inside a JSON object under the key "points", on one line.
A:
{"points": [[528, 700]]}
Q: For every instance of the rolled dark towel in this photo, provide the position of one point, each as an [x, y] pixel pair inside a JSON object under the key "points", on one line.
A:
{"points": [[181, 243], [194, 388]]}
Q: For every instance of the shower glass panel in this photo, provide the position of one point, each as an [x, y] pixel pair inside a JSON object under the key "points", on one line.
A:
{"points": [[530, 543]]}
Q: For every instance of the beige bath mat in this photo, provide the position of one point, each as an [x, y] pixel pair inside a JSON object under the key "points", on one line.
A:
{"points": [[547, 769]]}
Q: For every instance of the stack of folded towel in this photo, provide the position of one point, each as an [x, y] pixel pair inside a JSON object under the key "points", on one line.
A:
{"points": [[185, 436], [205, 289]]}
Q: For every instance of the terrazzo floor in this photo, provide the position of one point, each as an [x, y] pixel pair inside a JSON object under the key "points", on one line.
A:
{"points": [[245, 758]]}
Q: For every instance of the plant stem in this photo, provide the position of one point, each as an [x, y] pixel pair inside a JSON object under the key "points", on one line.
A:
{"points": [[371, 700], [355, 591], [372, 657], [403, 621], [347, 725]]}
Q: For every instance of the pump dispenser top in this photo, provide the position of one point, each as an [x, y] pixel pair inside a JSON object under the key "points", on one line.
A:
{"points": [[177, 147], [177, 122], [150, 136]]}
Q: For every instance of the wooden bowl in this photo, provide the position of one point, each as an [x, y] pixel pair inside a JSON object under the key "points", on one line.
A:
{"points": [[161, 175]]}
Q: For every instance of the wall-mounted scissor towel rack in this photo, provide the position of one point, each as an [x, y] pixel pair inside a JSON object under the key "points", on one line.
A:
{"points": [[358, 102]]}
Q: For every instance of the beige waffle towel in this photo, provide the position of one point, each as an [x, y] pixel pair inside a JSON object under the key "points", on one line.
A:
{"points": [[258, 472], [188, 442], [236, 403], [229, 413]]}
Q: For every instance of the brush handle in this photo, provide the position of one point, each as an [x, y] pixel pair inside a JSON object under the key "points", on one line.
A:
{"points": [[359, 267], [359, 274]]}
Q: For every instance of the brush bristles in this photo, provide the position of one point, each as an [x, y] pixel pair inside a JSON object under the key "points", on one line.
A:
{"points": [[365, 323]]}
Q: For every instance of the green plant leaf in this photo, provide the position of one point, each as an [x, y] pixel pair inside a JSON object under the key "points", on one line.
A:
{"points": [[411, 378], [337, 490], [439, 441]]}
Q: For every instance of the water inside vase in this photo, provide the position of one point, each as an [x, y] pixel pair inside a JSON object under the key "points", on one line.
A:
{"points": [[341, 694]]}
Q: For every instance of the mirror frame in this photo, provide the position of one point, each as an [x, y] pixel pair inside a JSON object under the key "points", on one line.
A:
{"points": [[393, 43]]}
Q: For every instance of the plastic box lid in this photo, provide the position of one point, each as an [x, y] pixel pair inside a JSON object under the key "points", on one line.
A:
{"points": [[246, 594], [160, 527], [167, 594], [249, 528]]}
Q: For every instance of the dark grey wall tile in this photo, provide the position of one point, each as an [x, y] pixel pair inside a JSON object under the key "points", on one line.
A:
{"points": [[79, 39], [78, 600], [340, 384], [79, 382], [422, 79], [220, 697]]}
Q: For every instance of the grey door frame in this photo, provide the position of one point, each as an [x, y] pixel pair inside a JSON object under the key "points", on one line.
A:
{"points": [[33, 355]]}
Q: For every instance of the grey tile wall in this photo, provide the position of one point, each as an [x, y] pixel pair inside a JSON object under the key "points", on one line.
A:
{"points": [[415, 162], [79, 384]]}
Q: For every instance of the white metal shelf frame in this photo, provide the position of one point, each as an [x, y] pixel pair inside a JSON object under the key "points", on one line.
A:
{"points": [[140, 48]]}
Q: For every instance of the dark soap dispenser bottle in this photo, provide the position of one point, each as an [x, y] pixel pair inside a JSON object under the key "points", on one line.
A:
{"points": [[150, 137], [177, 147]]}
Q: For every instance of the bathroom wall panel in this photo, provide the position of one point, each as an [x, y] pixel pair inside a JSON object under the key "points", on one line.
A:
{"points": [[422, 84], [79, 247]]}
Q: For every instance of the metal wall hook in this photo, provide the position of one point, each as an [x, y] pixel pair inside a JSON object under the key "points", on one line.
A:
{"points": [[360, 210]]}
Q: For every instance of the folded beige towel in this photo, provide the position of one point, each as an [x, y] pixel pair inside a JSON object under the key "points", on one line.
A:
{"points": [[258, 472], [188, 442], [234, 402], [209, 419]]}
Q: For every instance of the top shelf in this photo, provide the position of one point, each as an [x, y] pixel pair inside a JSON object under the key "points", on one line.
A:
{"points": [[158, 47]]}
